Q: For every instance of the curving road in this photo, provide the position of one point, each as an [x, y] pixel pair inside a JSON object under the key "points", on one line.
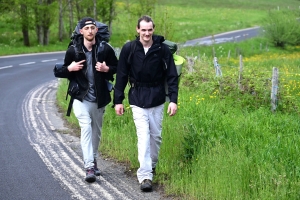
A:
{"points": [[36, 160], [23, 174], [232, 36]]}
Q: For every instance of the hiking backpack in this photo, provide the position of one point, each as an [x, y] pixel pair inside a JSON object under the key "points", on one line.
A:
{"points": [[103, 36]]}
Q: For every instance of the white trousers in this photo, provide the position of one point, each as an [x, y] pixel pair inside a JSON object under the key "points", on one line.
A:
{"points": [[148, 123], [90, 121]]}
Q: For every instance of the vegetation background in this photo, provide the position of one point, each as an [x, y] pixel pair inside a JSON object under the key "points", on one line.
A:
{"points": [[224, 142]]}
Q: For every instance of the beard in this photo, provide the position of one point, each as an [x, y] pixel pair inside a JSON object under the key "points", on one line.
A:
{"points": [[90, 38]]}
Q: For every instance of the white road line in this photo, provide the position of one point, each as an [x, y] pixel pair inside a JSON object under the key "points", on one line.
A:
{"points": [[52, 154], [51, 150], [49, 60], [33, 54], [29, 63], [6, 67]]}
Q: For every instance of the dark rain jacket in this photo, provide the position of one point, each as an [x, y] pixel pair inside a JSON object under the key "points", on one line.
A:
{"points": [[147, 75], [108, 55]]}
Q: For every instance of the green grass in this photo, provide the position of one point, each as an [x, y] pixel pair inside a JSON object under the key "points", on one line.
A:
{"points": [[224, 142]]}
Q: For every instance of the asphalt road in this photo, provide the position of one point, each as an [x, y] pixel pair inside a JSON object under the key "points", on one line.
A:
{"points": [[232, 36], [38, 161], [23, 174]]}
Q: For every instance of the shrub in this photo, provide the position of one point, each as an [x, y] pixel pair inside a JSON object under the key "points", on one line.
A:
{"points": [[282, 28]]}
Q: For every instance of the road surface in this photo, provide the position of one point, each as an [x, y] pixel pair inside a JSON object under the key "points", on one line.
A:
{"points": [[37, 160]]}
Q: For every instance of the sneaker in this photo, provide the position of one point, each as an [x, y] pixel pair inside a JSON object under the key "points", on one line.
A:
{"points": [[146, 185], [90, 175], [97, 171]]}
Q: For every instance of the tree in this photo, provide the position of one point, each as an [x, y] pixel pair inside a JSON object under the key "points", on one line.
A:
{"points": [[25, 23], [43, 19], [71, 19], [147, 7], [6, 6], [106, 12], [60, 21]]}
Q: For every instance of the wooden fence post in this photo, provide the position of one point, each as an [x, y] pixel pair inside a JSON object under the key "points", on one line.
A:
{"points": [[274, 89], [228, 57], [217, 67]]}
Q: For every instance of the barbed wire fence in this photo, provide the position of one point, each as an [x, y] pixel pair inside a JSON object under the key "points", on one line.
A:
{"points": [[218, 73]]}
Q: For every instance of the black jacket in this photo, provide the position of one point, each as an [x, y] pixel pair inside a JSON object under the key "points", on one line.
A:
{"points": [[108, 55], [147, 75]]}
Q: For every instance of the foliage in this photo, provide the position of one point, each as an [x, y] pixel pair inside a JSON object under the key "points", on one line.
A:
{"points": [[140, 7], [282, 28], [6, 6], [106, 11], [177, 20]]}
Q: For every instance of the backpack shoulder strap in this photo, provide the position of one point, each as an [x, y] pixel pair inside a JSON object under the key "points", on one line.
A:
{"points": [[70, 106], [132, 50], [163, 56], [100, 50], [76, 51], [70, 102]]}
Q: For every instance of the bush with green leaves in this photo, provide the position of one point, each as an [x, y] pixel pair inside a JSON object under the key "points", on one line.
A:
{"points": [[282, 28]]}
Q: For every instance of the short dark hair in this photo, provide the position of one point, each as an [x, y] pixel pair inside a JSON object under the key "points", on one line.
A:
{"points": [[145, 18]]}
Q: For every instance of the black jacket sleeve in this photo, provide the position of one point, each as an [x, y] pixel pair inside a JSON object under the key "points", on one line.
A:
{"points": [[111, 61], [122, 75], [171, 76]]}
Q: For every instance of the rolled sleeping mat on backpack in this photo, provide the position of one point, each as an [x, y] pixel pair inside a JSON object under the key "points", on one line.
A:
{"points": [[179, 60]]}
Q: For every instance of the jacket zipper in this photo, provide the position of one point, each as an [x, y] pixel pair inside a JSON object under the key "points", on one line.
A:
{"points": [[85, 74], [94, 71]]}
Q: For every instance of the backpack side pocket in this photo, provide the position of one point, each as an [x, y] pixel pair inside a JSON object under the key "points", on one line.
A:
{"points": [[73, 88]]}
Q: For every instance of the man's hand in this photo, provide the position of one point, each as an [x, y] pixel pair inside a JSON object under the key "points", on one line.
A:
{"points": [[102, 67], [119, 108], [172, 108], [76, 66]]}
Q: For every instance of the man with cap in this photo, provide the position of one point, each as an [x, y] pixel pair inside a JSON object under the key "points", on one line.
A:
{"points": [[90, 70]]}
